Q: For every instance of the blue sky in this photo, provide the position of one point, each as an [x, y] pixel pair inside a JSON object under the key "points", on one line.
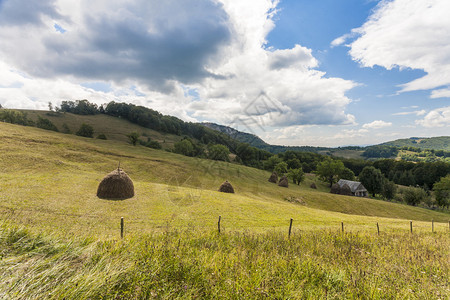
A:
{"points": [[320, 73]]}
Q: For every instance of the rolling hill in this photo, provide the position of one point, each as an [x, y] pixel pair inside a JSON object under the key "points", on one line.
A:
{"points": [[58, 240]]}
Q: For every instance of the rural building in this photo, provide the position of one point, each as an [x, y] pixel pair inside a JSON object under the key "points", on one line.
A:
{"points": [[356, 187]]}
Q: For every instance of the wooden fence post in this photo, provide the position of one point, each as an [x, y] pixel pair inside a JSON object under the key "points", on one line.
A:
{"points": [[290, 228], [218, 224], [410, 226], [342, 227], [121, 227], [378, 229]]}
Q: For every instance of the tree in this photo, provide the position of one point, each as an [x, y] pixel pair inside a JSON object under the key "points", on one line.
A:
{"points": [[184, 147], [133, 138], [50, 106], [372, 179], [294, 163], [86, 130], [296, 175], [270, 163], [442, 191], [347, 174], [389, 190], [219, 152], [281, 168], [329, 170]]}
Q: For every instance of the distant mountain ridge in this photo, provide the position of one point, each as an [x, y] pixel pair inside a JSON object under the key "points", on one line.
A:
{"points": [[433, 143]]}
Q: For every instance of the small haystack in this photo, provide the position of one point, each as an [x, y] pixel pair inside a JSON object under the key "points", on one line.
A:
{"points": [[116, 186], [313, 185], [226, 187], [283, 182], [335, 189], [274, 177], [345, 190]]}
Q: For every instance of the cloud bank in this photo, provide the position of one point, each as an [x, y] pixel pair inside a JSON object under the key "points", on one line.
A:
{"points": [[196, 59]]}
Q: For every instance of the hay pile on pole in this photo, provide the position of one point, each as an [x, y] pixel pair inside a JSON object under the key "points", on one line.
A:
{"points": [[226, 187], [283, 182], [313, 186], [274, 177], [346, 190], [116, 186], [335, 189]]}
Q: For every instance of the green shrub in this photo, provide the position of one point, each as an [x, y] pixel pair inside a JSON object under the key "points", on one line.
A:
{"points": [[101, 136], [46, 124], [66, 129], [86, 130], [414, 196]]}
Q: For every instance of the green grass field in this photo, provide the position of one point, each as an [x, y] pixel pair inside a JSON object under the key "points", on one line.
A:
{"points": [[59, 240]]}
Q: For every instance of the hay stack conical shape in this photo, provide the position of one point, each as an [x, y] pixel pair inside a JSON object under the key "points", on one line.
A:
{"points": [[283, 182], [274, 177], [116, 186], [226, 187], [335, 189], [346, 190], [313, 186]]}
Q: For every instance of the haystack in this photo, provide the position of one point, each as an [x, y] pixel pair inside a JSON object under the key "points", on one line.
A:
{"points": [[226, 187], [116, 186], [283, 182], [313, 185], [346, 190], [335, 189], [274, 177]]}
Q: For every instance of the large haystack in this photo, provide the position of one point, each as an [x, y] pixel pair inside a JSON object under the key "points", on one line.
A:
{"points": [[116, 186], [283, 182], [226, 187], [274, 177], [313, 186]]}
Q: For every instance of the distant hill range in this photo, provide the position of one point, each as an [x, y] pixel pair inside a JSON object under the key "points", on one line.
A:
{"points": [[257, 142], [434, 143]]}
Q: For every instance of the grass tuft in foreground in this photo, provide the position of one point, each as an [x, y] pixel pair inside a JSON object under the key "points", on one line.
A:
{"points": [[192, 264]]}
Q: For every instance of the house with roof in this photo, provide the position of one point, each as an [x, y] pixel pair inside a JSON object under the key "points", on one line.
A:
{"points": [[357, 188]]}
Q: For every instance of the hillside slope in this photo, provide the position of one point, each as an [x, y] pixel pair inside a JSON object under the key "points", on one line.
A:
{"points": [[50, 179]]}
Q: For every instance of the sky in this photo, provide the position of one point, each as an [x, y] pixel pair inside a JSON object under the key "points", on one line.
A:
{"points": [[294, 72]]}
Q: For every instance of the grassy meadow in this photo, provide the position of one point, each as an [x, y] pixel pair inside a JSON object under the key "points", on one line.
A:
{"points": [[58, 240]]}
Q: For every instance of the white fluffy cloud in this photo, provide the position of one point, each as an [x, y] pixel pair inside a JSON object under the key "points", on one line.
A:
{"points": [[408, 34], [196, 59], [436, 118], [377, 124]]}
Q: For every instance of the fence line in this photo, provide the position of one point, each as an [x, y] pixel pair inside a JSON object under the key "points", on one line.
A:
{"points": [[290, 226]]}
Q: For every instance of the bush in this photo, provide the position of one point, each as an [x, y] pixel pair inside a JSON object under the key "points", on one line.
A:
{"points": [[296, 175], [133, 138], [46, 124], [219, 152], [414, 196], [281, 168], [86, 130], [101, 136], [66, 129], [15, 117], [184, 147], [153, 145]]}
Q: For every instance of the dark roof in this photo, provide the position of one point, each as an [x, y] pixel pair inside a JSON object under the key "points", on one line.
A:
{"points": [[354, 185]]}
